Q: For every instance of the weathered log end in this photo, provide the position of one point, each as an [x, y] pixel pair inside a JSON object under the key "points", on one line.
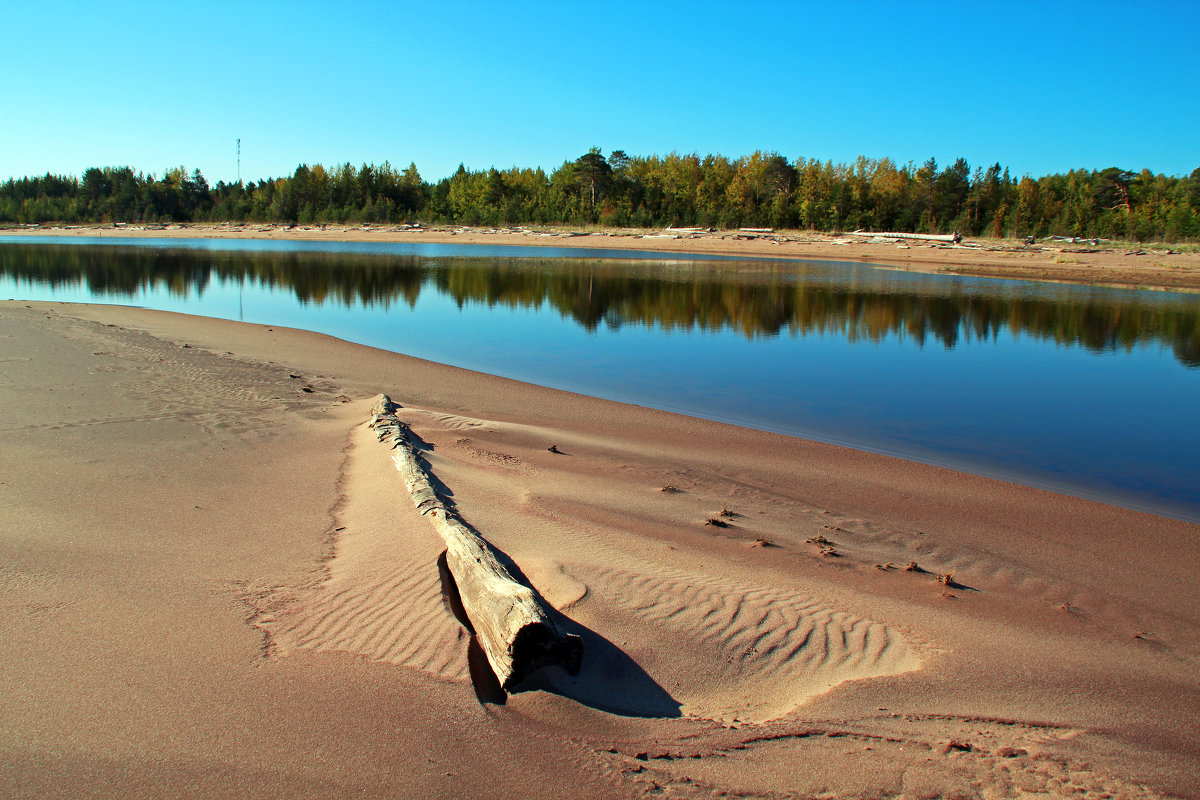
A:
{"points": [[538, 645], [512, 622]]}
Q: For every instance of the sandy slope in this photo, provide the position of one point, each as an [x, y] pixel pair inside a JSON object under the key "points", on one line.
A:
{"points": [[213, 584]]}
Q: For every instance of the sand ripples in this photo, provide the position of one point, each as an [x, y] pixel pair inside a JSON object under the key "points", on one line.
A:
{"points": [[765, 650], [399, 620]]}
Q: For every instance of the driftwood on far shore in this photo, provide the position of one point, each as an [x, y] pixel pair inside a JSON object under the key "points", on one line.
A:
{"points": [[512, 622], [930, 237]]}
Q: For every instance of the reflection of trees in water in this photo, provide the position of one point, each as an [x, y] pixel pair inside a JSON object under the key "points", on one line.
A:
{"points": [[767, 302], [316, 278]]}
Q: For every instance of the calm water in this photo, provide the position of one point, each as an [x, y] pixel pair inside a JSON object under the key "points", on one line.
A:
{"points": [[1085, 390]]}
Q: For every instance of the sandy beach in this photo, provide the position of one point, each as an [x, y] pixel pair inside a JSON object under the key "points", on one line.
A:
{"points": [[214, 584], [1151, 266]]}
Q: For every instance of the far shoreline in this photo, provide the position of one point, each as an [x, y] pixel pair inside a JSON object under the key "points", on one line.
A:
{"points": [[1080, 262]]}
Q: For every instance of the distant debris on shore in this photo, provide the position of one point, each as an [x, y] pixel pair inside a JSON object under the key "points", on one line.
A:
{"points": [[931, 237]]}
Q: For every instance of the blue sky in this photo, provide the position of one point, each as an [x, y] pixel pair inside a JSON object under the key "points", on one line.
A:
{"points": [[1038, 87]]}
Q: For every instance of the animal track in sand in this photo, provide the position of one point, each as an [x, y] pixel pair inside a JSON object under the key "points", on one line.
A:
{"points": [[558, 587], [490, 457], [182, 382], [454, 422]]}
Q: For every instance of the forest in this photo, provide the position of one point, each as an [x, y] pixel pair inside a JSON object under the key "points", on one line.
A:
{"points": [[619, 190]]}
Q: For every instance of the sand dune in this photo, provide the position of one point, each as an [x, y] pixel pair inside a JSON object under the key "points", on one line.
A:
{"points": [[213, 584]]}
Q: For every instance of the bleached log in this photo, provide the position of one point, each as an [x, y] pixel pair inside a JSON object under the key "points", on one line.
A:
{"points": [[512, 622], [931, 237]]}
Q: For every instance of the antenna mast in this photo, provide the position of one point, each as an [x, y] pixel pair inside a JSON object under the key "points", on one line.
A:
{"points": [[239, 159]]}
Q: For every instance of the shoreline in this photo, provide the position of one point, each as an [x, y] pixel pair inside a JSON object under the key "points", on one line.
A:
{"points": [[214, 588], [1146, 267], [707, 244]]}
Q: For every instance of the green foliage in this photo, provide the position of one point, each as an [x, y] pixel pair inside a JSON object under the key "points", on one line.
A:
{"points": [[592, 171], [763, 189]]}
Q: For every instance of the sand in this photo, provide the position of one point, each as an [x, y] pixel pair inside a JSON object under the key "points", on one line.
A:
{"points": [[1150, 266], [214, 585]]}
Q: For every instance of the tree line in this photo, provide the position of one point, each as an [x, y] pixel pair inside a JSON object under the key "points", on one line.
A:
{"points": [[619, 190]]}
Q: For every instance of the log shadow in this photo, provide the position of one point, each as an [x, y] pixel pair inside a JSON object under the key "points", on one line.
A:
{"points": [[608, 679], [483, 680], [444, 493], [488, 690], [450, 595], [418, 444], [946, 579], [950, 583]]}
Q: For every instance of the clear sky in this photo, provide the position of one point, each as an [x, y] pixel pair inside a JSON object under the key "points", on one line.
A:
{"points": [[1040, 87]]}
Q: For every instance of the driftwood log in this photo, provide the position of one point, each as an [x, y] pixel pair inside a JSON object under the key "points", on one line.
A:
{"points": [[512, 622], [931, 237]]}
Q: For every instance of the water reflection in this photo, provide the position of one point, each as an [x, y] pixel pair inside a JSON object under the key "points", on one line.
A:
{"points": [[753, 299], [1077, 389]]}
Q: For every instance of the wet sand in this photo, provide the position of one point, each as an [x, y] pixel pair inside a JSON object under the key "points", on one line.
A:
{"points": [[214, 584]]}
